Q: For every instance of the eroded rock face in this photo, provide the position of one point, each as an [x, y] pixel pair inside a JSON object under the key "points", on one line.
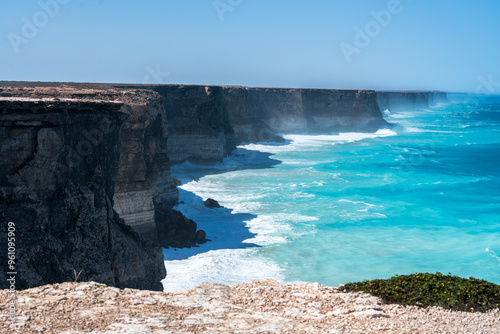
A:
{"points": [[59, 161], [197, 123], [409, 101], [207, 122], [144, 180]]}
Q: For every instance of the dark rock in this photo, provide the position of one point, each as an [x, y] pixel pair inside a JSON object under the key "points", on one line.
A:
{"points": [[278, 139], [211, 204], [175, 230], [201, 237], [58, 167], [177, 182]]}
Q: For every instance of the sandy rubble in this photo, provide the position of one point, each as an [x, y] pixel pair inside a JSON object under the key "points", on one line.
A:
{"points": [[257, 307]]}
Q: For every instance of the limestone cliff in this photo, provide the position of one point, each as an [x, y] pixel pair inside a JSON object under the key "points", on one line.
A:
{"points": [[145, 192], [205, 123], [59, 160], [198, 124], [256, 114], [410, 100], [144, 183]]}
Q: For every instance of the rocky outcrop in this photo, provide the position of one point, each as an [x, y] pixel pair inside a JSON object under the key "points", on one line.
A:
{"points": [[175, 230], [409, 101], [59, 160], [211, 204]]}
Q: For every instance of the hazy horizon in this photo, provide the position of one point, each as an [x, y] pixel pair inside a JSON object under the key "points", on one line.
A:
{"points": [[380, 45]]}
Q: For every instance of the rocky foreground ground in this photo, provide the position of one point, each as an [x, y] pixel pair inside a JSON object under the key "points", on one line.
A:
{"points": [[255, 307]]}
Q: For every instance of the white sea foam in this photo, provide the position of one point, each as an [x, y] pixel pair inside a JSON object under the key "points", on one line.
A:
{"points": [[493, 254], [308, 142], [227, 266], [224, 259], [275, 229], [356, 202]]}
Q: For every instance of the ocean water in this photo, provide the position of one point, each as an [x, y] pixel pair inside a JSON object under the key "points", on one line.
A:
{"points": [[423, 196]]}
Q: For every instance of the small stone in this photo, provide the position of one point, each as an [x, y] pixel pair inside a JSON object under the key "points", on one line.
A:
{"points": [[149, 301], [370, 314], [201, 237]]}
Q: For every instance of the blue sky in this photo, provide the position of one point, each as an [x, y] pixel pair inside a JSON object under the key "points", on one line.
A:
{"points": [[387, 44]]}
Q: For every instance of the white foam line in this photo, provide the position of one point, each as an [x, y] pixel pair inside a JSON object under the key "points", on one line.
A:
{"points": [[307, 142], [356, 202], [493, 254]]}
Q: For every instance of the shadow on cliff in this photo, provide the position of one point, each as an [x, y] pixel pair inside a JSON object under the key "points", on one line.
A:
{"points": [[225, 229]]}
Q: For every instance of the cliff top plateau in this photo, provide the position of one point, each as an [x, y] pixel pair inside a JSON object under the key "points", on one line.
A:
{"points": [[256, 307]]}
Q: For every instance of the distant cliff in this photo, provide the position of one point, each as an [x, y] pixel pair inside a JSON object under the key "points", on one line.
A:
{"points": [[409, 101], [206, 123]]}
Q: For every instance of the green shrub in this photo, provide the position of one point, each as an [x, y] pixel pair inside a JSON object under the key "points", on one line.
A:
{"points": [[450, 292]]}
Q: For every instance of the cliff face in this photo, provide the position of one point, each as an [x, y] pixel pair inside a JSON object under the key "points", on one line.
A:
{"points": [[145, 192], [409, 101], [59, 160], [144, 183], [206, 123], [197, 123], [145, 189]]}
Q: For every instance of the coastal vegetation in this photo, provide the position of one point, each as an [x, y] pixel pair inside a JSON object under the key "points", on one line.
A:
{"points": [[425, 289]]}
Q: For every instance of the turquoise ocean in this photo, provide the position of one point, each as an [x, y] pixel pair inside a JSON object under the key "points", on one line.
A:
{"points": [[422, 196]]}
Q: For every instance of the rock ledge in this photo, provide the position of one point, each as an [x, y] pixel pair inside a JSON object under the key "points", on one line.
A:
{"points": [[256, 307]]}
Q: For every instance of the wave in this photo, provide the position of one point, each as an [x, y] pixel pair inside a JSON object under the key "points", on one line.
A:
{"points": [[356, 202], [219, 266], [311, 142], [493, 254]]}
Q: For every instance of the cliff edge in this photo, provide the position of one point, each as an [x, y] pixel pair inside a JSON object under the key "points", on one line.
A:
{"points": [[59, 160], [254, 307]]}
